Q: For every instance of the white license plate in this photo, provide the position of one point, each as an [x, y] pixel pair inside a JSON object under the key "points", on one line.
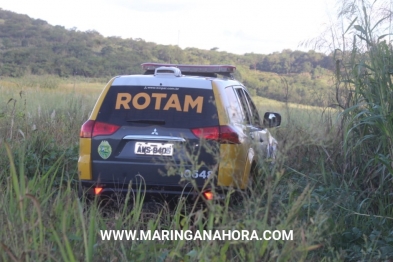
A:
{"points": [[155, 149]]}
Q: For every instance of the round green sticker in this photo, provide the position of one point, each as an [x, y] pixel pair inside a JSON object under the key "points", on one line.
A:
{"points": [[104, 149]]}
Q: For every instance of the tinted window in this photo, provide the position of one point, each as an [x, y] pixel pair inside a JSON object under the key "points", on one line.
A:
{"points": [[167, 106]]}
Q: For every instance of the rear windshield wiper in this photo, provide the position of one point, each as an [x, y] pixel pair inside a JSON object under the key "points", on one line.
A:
{"points": [[148, 121]]}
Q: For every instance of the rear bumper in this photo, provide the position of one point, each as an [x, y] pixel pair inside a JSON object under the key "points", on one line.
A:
{"points": [[149, 192]]}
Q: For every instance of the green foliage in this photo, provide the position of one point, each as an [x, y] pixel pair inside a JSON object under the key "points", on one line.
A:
{"points": [[364, 92], [51, 223], [289, 62], [331, 182], [364, 75], [45, 221], [36, 118], [304, 191], [33, 47]]}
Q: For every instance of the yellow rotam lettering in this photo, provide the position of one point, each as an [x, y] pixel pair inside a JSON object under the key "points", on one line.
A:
{"points": [[158, 97], [122, 100], [173, 102], [198, 102], [144, 105]]}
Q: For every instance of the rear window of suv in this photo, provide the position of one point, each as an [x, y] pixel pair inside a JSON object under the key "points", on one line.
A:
{"points": [[175, 107]]}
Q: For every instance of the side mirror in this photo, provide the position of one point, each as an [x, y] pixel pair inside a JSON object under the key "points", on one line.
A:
{"points": [[271, 119]]}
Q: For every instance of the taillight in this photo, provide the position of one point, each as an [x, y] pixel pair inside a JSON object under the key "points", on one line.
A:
{"points": [[228, 135], [222, 134], [87, 129], [101, 129], [210, 133], [92, 128]]}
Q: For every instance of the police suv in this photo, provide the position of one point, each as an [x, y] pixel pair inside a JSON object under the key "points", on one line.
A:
{"points": [[177, 130]]}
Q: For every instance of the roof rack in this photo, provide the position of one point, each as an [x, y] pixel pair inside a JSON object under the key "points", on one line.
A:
{"points": [[193, 70]]}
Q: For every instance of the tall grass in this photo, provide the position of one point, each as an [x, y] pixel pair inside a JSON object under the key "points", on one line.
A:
{"points": [[47, 120], [331, 182], [42, 218], [364, 76], [363, 54], [368, 117], [42, 221]]}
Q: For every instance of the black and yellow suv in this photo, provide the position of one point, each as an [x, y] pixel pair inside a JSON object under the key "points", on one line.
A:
{"points": [[178, 130]]}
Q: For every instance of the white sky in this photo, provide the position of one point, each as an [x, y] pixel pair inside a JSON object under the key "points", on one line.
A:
{"points": [[241, 26]]}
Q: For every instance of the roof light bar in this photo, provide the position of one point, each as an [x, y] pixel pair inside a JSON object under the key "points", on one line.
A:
{"points": [[193, 68]]}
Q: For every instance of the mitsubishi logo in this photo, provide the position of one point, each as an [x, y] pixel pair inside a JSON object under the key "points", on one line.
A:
{"points": [[154, 132]]}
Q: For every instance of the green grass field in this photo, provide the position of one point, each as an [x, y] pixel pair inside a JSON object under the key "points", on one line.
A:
{"points": [[307, 191]]}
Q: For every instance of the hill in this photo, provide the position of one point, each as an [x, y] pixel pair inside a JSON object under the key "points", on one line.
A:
{"points": [[32, 46]]}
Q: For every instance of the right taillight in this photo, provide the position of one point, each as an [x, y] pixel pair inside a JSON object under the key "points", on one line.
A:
{"points": [[228, 135], [209, 133], [222, 134], [92, 128]]}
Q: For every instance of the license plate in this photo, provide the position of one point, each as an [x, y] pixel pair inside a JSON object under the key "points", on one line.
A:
{"points": [[155, 149]]}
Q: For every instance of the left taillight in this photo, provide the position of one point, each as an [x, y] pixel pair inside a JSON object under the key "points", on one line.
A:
{"points": [[93, 128], [87, 129]]}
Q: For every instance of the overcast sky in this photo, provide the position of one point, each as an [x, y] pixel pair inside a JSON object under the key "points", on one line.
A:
{"points": [[242, 26]]}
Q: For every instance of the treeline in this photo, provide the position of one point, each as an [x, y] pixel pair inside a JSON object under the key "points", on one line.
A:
{"points": [[289, 61], [32, 46]]}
